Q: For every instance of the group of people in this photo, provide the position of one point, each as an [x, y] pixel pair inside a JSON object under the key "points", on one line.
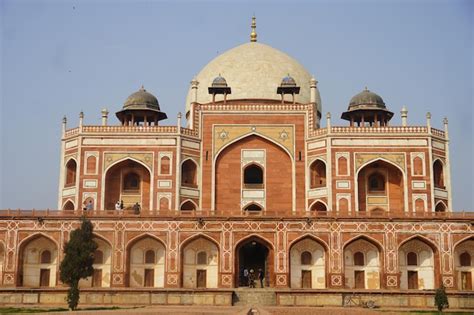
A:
{"points": [[119, 206], [249, 277]]}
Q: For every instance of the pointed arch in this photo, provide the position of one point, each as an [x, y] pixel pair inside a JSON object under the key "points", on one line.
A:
{"points": [[102, 238], [68, 205], [218, 154], [365, 238], [188, 204], [70, 172], [249, 135], [138, 238], [438, 169], [311, 237], [467, 238], [317, 173], [33, 268], [261, 253], [382, 159], [253, 206], [140, 266], [146, 204], [421, 238], [315, 207], [441, 206], [199, 252], [189, 173], [194, 237]]}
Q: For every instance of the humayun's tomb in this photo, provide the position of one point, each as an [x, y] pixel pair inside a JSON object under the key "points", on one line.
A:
{"points": [[254, 181]]}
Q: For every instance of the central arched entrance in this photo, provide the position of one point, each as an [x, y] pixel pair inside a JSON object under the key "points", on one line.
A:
{"points": [[254, 254]]}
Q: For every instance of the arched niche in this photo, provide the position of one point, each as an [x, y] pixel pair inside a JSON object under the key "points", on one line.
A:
{"points": [[380, 185], [101, 275], [317, 171], [200, 263], [38, 262], [127, 181], [417, 265], [464, 264], [307, 264], [362, 264], [143, 271]]}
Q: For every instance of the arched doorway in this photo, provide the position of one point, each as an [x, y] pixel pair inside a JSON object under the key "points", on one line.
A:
{"points": [[128, 181], [102, 266], [380, 185], [307, 264], [38, 262], [254, 254], [200, 264], [464, 265], [146, 262], [362, 264], [417, 265]]}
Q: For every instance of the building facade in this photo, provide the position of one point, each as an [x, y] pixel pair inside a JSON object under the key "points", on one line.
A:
{"points": [[253, 182]]}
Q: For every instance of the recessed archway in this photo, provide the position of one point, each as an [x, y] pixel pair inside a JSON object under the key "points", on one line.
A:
{"points": [[307, 264], [440, 207], [200, 263], [277, 185], [464, 264], [380, 184], [438, 174], [253, 254], [141, 271], [363, 263], [127, 181], [317, 172], [418, 274], [37, 262], [319, 207], [71, 171]]}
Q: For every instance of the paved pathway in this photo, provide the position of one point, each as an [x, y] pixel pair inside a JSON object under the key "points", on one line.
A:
{"points": [[234, 310]]}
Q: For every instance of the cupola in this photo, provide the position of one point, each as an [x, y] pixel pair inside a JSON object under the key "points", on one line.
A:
{"points": [[367, 109], [219, 86], [288, 86], [141, 108]]}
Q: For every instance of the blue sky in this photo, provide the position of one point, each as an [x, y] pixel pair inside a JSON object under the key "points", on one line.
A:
{"points": [[61, 57]]}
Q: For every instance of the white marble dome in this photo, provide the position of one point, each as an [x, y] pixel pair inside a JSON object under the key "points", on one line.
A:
{"points": [[253, 71]]}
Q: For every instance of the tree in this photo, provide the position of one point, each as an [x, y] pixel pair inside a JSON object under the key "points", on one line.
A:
{"points": [[441, 299], [78, 260]]}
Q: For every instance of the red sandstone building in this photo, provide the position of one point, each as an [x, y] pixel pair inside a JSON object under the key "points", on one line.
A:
{"points": [[252, 182]]}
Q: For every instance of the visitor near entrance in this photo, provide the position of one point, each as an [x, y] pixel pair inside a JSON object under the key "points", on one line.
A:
{"points": [[261, 276]]}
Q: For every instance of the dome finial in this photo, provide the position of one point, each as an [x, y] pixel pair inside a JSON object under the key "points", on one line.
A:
{"points": [[253, 35]]}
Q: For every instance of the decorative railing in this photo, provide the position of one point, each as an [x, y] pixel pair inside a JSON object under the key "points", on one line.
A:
{"points": [[304, 215], [130, 129], [189, 132], [255, 107], [372, 130], [438, 132], [71, 132]]}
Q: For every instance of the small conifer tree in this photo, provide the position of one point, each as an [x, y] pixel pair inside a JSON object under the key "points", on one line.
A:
{"points": [[78, 260], [441, 299]]}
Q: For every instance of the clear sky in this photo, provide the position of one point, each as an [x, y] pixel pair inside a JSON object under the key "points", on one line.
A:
{"points": [[61, 57]]}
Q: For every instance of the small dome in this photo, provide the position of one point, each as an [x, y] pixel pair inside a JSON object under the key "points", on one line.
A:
{"points": [[366, 99], [288, 82], [141, 100], [219, 82]]}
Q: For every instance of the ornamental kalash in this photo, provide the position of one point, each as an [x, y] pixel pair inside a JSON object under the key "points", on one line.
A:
{"points": [[253, 185]]}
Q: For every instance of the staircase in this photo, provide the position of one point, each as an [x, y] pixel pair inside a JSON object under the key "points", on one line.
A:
{"points": [[254, 297]]}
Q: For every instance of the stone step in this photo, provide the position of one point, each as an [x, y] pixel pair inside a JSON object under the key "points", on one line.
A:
{"points": [[254, 297]]}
